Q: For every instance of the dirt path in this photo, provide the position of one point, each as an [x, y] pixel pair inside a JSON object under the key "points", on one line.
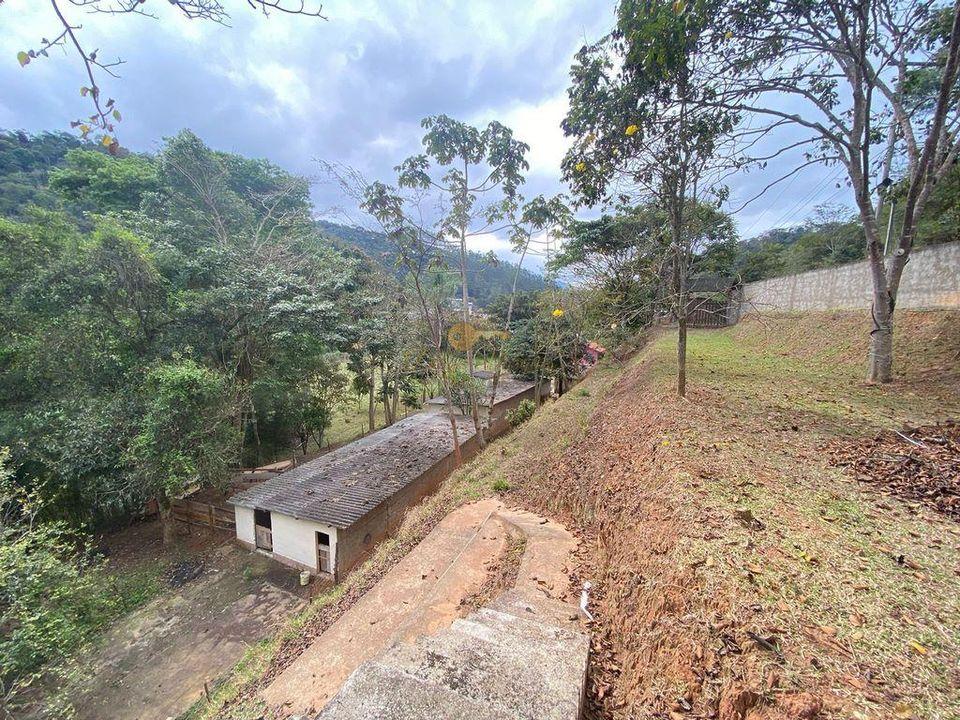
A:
{"points": [[420, 594], [154, 665]]}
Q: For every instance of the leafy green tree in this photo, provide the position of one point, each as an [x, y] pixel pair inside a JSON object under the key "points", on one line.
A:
{"points": [[551, 344], [524, 307], [766, 261], [185, 436], [464, 388], [829, 238], [25, 162], [94, 181], [643, 131], [477, 175], [621, 258], [232, 274]]}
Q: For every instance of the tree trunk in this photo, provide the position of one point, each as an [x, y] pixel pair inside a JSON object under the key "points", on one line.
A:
{"points": [[506, 330], [168, 527], [465, 296], [371, 398], [881, 341], [474, 404], [458, 456], [680, 288], [682, 355]]}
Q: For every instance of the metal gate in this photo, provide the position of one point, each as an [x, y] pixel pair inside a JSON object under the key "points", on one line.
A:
{"points": [[707, 313]]}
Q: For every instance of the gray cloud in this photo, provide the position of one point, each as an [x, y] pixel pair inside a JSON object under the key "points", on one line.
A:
{"points": [[352, 89]]}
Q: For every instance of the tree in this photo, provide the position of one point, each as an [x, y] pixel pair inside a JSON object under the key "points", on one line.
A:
{"points": [[464, 387], [621, 257], [102, 122], [539, 215], [185, 438], [524, 306], [324, 392], [643, 128], [228, 272], [551, 344], [48, 591], [477, 175], [426, 276], [25, 161], [94, 181], [868, 82]]}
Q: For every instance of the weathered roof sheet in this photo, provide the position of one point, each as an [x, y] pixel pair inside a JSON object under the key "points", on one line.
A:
{"points": [[507, 387], [342, 486], [710, 283]]}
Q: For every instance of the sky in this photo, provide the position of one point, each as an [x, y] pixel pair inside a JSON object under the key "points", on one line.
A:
{"points": [[350, 89]]}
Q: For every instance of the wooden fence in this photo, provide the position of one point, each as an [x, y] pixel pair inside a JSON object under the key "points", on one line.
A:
{"points": [[218, 516], [209, 507]]}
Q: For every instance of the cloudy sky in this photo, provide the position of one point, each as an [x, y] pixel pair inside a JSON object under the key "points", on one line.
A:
{"points": [[351, 89]]}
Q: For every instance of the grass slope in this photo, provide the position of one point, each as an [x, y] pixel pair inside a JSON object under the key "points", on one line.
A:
{"points": [[738, 575]]}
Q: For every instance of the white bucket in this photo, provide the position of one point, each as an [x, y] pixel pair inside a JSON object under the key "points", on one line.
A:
{"points": [[305, 577]]}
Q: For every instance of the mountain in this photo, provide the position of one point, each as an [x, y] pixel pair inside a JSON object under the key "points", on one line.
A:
{"points": [[487, 279]]}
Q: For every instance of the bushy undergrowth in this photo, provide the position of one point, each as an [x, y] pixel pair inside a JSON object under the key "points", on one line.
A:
{"points": [[54, 593], [521, 413]]}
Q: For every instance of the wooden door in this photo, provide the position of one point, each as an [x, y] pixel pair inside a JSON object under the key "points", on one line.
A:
{"points": [[323, 552]]}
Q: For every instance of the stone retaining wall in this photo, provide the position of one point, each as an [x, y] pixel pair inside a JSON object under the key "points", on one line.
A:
{"points": [[930, 280]]}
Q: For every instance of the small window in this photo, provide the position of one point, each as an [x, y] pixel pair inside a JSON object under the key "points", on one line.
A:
{"points": [[323, 539], [262, 518]]}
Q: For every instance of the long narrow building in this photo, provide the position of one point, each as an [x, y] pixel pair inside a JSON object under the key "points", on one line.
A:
{"points": [[328, 514]]}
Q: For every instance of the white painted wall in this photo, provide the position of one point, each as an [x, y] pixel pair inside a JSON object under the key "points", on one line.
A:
{"points": [[244, 519], [297, 540]]}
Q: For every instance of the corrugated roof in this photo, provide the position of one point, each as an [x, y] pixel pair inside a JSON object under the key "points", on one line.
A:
{"points": [[507, 387], [342, 486]]}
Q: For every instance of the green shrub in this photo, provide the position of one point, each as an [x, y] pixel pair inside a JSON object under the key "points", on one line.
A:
{"points": [[53, 594], [521, 413], [500, 485], [463, 386]]}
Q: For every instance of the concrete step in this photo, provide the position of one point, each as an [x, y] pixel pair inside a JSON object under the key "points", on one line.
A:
{"points": [[377, 692], [532, 671], [489, 623], [539, 608]]}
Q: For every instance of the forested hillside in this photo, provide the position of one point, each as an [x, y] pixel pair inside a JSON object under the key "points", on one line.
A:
{"points": [[490, 277], [26, 163], [166, 318]]}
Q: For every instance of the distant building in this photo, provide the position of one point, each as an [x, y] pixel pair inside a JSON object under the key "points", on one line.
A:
{"points": [[328, 514]]}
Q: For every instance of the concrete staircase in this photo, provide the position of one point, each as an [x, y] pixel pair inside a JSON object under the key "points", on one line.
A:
{"points": [[520, 657]]}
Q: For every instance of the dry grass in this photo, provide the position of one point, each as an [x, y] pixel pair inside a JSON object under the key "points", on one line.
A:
{"points": [[737, 573]]}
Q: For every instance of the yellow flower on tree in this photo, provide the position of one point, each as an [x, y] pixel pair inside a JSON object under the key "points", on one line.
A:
{"points": [[632, 130], [558, 313], [580, 166]]}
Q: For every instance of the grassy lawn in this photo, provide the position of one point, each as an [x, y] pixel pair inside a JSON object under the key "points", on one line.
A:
{"points": [[866, 584]]}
